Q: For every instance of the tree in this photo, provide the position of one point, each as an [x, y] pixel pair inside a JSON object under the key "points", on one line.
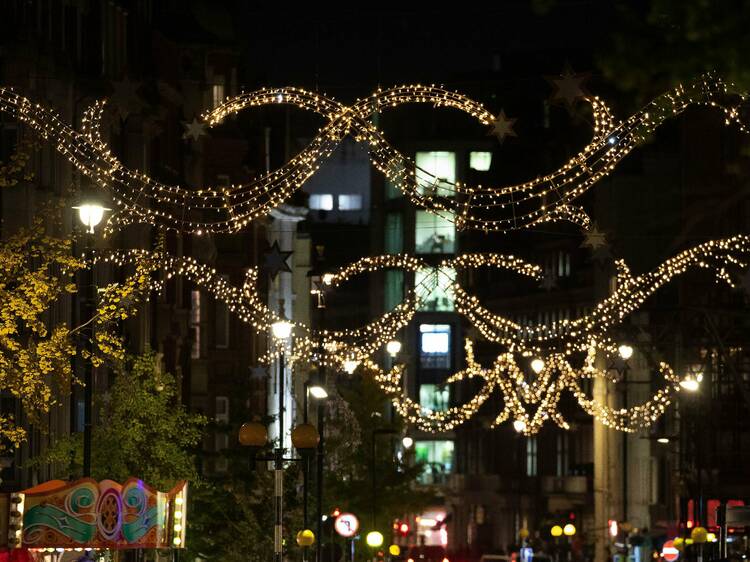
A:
{"points": [[656, 44], [349, 455], [144, 430], [37, 271]]}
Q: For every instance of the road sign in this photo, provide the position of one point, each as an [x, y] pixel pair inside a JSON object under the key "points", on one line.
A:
{"points": [[346, 525], [669, 552]]}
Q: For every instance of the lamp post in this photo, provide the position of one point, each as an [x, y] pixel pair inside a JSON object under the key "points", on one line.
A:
{"points": [[304, 438], [312, 387], [90, 214], [281, 330]]}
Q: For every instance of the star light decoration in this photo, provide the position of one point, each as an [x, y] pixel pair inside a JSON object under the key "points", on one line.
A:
{"points": [[194, 130], [502, 126], [275, 260], [530, 400], [213, 209], [568, 87]]}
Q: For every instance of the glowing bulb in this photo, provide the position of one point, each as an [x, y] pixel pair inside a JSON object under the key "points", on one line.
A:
{"points": [[327, 278], [625, 351], [177, 541], [350, 365], [281, 329], [690, 383], [537, 365], [178, 514], [91, 214], [393, 347], [569, 530], [556, 531], [407, 442], [374, 539], [519, 425], [663, 440]]}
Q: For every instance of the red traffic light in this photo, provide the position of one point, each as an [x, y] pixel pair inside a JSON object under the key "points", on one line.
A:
{"points": [[403, 529], [336, 512]]}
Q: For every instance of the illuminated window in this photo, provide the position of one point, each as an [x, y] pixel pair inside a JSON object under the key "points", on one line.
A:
{"points": [[440, 168], [435, 346], [434, 289], [531, 456], [350, 202], [437, 457], [394, 233], [563, 264], [394, 288], [434, 397], [434, 234], [321, 202], [480, 161]]}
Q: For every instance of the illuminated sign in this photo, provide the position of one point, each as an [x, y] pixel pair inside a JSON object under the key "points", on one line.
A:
{"points": [[90, 514], [346, 525]]}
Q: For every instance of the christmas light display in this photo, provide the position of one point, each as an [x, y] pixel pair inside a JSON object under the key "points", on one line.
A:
{"points": [[228, 209], [530, 398]]}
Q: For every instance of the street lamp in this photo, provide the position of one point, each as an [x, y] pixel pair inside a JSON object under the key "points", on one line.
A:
{"points": [[407, 442], [691, 382], [350, 365], [537, 365], [625, 351], [393, 347], [519, 425], [90, 214]]}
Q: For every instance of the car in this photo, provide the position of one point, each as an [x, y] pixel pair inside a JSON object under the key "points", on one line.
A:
{"points": [[432, 553]]}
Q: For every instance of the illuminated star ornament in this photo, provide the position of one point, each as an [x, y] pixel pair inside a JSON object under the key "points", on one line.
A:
{"points": [[502, 127], [125, 98], [194, 130], [275, 260], [568, 87], [594, 238]]}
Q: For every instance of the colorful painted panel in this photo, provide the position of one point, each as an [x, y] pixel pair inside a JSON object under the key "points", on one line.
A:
{"points": [[106, 514]]}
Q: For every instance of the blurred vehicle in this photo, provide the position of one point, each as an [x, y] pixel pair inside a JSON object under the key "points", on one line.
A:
{"points": [[431, 553]]}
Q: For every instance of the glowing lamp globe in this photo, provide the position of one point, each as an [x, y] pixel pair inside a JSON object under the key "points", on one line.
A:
{"points": [[679, 543], [305, 437], [556, 531], [394, 550], [690, 383], [374, 539], [91, 214], [537, 365], [306, 538], [569, 530], [519, 425], [523, 533], [699, 535], [625, 351], [393, 347], [407, 442], [281, 329], [253, 434]]}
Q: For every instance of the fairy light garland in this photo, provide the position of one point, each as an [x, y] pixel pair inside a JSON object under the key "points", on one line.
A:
{"points": [[531, 403], [229, 209]]}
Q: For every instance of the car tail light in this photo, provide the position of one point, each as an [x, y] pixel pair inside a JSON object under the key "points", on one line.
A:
{"points": [[446, 560]]}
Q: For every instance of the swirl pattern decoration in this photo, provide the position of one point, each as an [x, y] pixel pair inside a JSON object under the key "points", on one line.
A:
{"points": [[529, 403], [546, 198]]}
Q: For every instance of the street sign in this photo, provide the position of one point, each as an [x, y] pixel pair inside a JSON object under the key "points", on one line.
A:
{"points": [[669, 551], [346, 525]]}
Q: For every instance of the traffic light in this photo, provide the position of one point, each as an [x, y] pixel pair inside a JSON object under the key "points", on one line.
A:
{"points": [[403, 529]]}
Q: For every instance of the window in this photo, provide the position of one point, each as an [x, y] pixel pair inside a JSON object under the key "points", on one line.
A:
{"points": [[217, 92], [394, 233], [434, 289], [436, 172], [531, 454], [195, 323], [434, 397], [434, 234], [394, 288], [437, 457], [480, 161], [350, 202], [222, 321], [435, 346], [563, 264], [321, 202]]}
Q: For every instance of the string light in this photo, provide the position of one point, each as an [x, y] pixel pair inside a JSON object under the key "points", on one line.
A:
{"points": [[140, 198], [553, 347]]}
